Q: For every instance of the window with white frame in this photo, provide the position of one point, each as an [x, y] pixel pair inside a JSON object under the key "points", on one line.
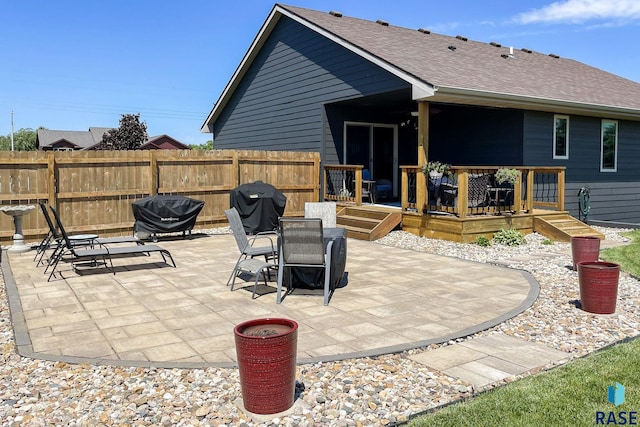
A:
{"points": [[609, 146], [561, 137]]}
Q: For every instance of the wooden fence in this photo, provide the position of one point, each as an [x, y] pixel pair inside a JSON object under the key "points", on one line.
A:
{"points": [[93, 190]]}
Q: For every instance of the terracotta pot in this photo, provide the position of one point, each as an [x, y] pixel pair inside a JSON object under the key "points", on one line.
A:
{"points": [[584, 248], [266, 351], [598, 286]]}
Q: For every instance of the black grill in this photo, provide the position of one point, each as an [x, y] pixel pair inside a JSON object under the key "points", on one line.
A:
{"points": [[259, 205]]}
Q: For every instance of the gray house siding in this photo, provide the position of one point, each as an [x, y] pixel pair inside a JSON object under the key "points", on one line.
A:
{"points": [[279, 104], [465, 135], [615, 196]]}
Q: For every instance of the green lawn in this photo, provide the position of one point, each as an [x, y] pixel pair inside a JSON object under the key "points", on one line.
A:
{"points": [[627, 256], [570, 395]]}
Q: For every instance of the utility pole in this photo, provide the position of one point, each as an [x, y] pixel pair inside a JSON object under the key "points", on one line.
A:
{"points": [[12, 131]]}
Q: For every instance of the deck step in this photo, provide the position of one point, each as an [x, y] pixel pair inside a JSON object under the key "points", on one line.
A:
{"points": [[563, 227], [368, 222]]}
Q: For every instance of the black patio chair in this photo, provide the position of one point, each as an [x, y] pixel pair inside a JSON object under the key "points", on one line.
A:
{"points": [[478, 189], [302, 245]]}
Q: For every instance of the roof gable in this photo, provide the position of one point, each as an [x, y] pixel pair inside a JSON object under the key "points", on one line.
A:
{"points": [[164, 142], [454, 69]]}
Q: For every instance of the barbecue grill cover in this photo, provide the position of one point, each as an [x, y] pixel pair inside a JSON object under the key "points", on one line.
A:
{"points": [[165, 214], [259, 205]]}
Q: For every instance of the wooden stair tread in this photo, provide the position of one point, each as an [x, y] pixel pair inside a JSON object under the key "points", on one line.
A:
{"points": [[368, 223], [564, 228]]}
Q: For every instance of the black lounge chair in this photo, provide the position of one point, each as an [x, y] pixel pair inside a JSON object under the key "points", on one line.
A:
{"points": [[101, 252], [53, 240]]}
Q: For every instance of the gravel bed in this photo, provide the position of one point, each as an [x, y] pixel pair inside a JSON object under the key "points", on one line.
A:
{"points": [[379, 391]]}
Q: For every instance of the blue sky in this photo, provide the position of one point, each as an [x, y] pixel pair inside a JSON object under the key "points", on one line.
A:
{"points": [[69, 65]]}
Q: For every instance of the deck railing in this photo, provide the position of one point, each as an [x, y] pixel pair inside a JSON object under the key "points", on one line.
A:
{"points": [[343, 184], [473, 190]]}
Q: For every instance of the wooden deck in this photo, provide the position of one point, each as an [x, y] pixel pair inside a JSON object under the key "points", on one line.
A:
{"points": [[468, 209], [467, 230]]}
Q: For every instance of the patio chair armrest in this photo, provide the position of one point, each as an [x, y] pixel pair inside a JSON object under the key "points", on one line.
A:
{"points": [[263, 235]]}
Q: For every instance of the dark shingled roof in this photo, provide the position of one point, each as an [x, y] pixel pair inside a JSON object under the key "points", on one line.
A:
{"points": [[84, 139], [464, 71], [481, 67]]}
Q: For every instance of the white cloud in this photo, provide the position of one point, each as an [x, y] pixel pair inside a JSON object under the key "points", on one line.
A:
{"points": [[579, 11], [443, 27]]}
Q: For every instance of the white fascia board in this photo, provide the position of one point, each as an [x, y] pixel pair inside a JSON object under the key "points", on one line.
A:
{"points": [[476, 97]]}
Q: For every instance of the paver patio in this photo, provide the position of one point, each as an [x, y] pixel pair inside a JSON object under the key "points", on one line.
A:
{"points": [[150, 314]]}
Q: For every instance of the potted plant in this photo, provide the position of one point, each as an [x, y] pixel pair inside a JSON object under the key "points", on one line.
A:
{"points": [[506, 176], [436, 169]]}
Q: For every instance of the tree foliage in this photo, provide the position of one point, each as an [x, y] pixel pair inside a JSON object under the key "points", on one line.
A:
{"points": [[129, 136], [23, 140], [206, 146]]}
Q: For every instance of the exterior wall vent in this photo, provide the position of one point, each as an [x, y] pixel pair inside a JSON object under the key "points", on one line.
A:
{"points": [[451, 48], [524, 49], [336, 13], [553, 55], [463, 38], [383, 23], [424, 31], [495, 44]]}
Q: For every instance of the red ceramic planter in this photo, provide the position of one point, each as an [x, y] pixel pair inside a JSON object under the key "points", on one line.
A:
{"points": [[584, 248], [598, 286], [266, 351]]}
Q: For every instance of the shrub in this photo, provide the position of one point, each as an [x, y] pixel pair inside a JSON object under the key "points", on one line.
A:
{"points": [[511, 237], [483, 241], [548, 242]]}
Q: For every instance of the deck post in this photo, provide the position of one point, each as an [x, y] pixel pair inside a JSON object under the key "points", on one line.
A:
{"points": [[517, 192], [358, 189], [561, 189], [530, 182], [423, 155], [463, 193]]}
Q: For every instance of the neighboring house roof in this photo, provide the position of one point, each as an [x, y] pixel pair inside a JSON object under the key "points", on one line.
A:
{"points": [[91, 139], [163, 142], [49, 139], [454, 69]]}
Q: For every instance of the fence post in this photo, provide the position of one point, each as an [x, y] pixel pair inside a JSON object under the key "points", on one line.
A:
{"points": [[51, 178], [153, 173], [316, 172]]}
